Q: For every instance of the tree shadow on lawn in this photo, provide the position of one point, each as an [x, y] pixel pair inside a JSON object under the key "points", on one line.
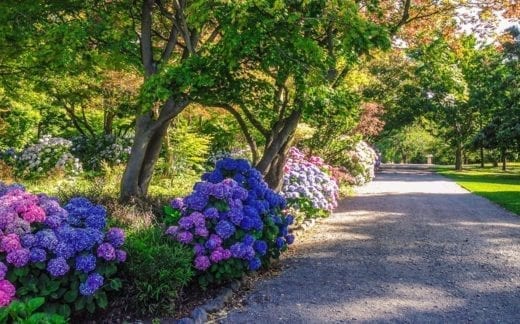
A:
{"points": [[401, 258]]}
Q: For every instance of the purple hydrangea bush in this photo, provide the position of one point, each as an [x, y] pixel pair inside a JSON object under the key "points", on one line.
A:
{"points": [[233, 221], [64, 254], [307, 187]]}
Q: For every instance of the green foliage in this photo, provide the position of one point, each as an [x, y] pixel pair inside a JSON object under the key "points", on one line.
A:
{"points": [[27, 313], [21, 123], [62, 294], [187, 148], [158, 268]]}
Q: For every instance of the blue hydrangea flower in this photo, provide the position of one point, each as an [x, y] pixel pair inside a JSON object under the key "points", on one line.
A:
{"points": [[254, 264], [225, 229], [260, 247], [38, 255], [86, 263], [58, 267], [46, 239], [91, 285]]}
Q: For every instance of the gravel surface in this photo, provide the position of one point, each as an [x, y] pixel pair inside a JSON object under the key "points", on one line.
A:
{"points": [[412, 246]]}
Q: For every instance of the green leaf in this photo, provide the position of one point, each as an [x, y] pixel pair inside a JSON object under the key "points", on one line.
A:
{"points": [[101, 300], [91, 307], [70, 296], [34, 303], [116, 284], [80, 304], [64, 310]]}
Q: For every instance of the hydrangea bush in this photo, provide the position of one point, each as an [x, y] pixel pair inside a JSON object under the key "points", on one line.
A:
{"points": [[234, 222], [64, 254], [50, 153], [108, 148], [361, 162], [307, 186]]}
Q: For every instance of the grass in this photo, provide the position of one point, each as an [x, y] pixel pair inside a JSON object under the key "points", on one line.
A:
{"points": [[501, 187]]}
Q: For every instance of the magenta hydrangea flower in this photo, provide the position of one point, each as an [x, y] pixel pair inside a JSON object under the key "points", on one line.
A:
{"points": [[7, 292], [10, 242], [34, 214]]}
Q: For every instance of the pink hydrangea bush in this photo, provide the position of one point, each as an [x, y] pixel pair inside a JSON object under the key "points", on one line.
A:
{"points": [[63, 254]]}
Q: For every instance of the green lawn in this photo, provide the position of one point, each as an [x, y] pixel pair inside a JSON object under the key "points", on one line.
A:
{"points": [[501, 187]]}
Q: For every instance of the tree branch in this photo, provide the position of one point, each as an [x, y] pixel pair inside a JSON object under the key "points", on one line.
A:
{"points": [[146, 38], [243, 126], [255, 122]]}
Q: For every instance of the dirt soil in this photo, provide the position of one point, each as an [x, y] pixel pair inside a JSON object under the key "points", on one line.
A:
{"points": [[411, 247]]}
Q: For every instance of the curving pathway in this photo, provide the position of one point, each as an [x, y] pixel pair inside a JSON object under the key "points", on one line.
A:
{"points": [[412, 247]]}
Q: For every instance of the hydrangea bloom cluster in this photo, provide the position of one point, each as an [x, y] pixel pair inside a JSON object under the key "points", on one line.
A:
{"points": [[50, 153], [108, 148], [35, 229], [304, 182], [361, 162], [232, 219]]}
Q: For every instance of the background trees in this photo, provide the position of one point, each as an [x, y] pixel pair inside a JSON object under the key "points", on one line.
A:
{"points": [[96, 68]]}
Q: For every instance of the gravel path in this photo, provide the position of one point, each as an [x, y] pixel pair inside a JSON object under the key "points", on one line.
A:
{"points": [[411, 247]]}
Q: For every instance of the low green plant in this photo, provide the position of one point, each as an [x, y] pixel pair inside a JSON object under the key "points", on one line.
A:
{"points": [[158, 267], [27, 313]]}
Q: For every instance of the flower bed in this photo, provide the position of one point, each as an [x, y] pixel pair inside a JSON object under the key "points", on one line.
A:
{"points": [[307, 186], [234, 222], [64, 254]]}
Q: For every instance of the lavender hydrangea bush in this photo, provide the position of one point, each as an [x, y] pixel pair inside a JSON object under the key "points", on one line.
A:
{"points": [[308, 189], [50, 153], [64, 254], [233, 221]]}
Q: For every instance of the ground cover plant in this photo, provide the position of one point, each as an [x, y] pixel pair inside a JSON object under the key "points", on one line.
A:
{"points": [[501, 187]]}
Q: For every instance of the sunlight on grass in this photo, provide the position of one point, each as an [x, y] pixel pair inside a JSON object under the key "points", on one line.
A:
{"points": [[501, 187]]}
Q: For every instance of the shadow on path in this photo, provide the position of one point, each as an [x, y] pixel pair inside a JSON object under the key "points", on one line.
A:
{"points": [[412, 247]]}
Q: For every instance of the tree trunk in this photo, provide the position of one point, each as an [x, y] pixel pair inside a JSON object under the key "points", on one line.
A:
{"points": [[503, 158], [278, 141], [458, 157], [274, 177], [149, 135], [481, 157]]}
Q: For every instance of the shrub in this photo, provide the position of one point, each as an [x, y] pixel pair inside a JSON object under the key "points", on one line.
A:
{"points": [[158, 268], [233, 221], [307, 188], [63, 254], [49, 154], [109, 149], [360, 162]]}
